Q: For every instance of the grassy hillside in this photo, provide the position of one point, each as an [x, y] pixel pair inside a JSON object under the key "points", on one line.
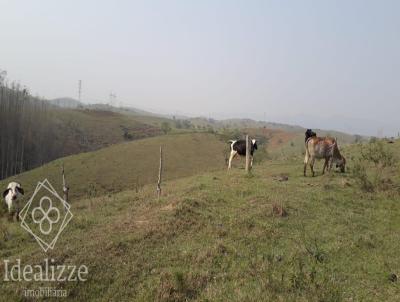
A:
{"points": [[35, 131], [243, 123], [280, 144], [130, 165], [83, 130], [66, 102], [86, 130], [252, 124], [135, 163], [67, 131], [223, 236]]}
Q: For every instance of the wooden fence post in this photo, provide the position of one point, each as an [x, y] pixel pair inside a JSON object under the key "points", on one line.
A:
{"points": [[160, 174], [247, 154], [65, 187]]}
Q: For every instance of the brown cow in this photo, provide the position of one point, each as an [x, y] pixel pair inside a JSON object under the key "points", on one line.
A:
{"points": [[323, 148]]}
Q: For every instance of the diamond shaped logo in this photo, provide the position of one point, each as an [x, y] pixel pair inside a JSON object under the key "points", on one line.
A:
{"points": [[45, 215]]}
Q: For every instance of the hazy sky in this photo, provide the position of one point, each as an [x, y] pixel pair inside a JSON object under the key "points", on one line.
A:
{"points": [[286, 60]]}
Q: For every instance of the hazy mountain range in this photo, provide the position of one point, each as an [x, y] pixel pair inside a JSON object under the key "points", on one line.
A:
{"points": [[349, 125], [344, 124]]}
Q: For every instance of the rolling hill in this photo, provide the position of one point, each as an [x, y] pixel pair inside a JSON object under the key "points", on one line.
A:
{"points": [[39, 132], [130, 165], [111, 157], [83, 130], [66, 103], [220, 236]]}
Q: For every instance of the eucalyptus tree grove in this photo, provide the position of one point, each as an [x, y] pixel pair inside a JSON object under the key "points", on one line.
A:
{"points": [[26, 130]]}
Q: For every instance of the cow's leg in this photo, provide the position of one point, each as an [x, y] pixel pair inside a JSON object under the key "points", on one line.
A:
{"points": [[325, 165], [10, 210], [306, 158], [233, 154], [251, 162], [330, 164], [312, 162], [17, 214]]}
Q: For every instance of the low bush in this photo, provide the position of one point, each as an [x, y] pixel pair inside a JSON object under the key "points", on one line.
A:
{"points": [[372, 169]]}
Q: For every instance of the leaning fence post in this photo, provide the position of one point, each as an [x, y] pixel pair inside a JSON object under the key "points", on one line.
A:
{"points": [[65, 187], [247, 154], [160, 174]]}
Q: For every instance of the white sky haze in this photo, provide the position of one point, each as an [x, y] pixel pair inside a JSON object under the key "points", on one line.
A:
{"points": [[292, 60]]}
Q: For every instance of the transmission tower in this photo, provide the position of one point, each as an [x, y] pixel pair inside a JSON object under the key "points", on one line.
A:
{"points": [[112, 99]]}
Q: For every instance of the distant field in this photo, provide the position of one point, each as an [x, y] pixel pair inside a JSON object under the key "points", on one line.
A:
{"points": [[133, 164], [216, 236], [274, 138], [73, 131], [87, 130], [281, 144], [130, 165]]}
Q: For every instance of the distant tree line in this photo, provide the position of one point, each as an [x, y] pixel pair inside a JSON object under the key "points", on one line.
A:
{"points": [[177, 124], [33, 131], [183, 124], [26, 130]]}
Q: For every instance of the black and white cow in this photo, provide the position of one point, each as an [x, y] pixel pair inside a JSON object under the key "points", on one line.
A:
{"points": [[11, 194], [239, 147]]}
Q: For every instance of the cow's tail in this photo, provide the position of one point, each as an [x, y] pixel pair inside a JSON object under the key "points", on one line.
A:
{"points": [[307, 156], [306, 143]]}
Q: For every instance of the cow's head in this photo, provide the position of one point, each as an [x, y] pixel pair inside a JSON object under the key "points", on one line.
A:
{"points": [[14, 189], [254, 143], [341, 164], [338, 158], [309, 133]]}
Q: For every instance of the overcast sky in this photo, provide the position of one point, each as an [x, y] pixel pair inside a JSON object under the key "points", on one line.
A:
{"points": [[283, 60]]}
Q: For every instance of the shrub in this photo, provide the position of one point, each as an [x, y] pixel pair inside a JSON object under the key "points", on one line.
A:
{"points": [[375, 161], [165, 127], [227, 134], [210, 129], [360, 174], [373, 139], [378, 153]]}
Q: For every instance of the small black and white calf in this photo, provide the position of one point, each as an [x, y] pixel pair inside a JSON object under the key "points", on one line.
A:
{"points": [[239, 147], [11, 195]]}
